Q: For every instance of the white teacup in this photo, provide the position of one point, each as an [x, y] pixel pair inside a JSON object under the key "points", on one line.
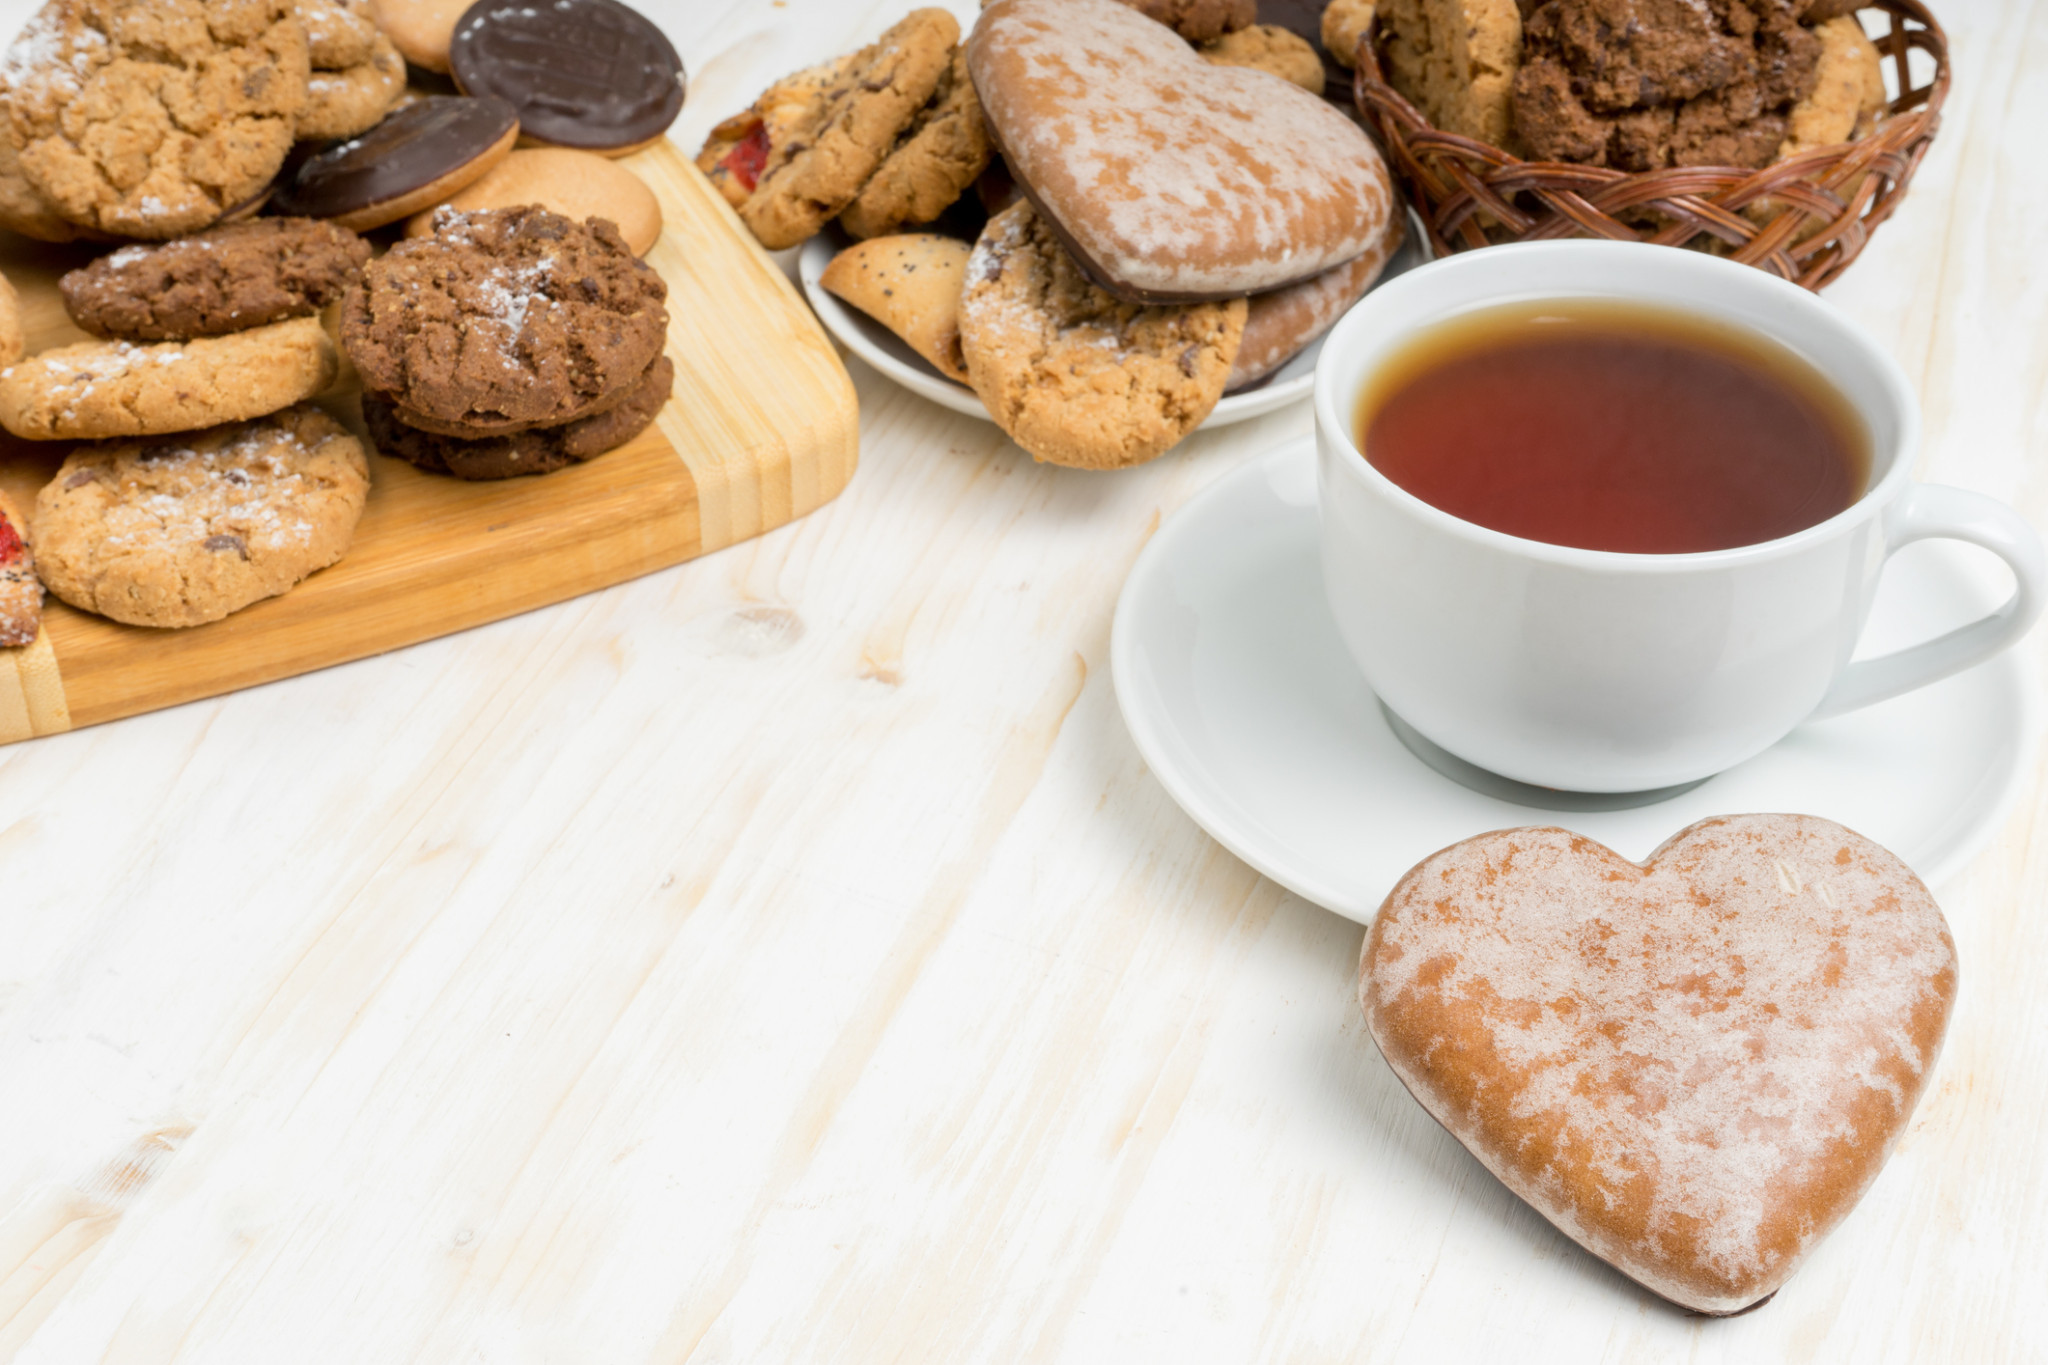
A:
{"points": [[1592, 671]]}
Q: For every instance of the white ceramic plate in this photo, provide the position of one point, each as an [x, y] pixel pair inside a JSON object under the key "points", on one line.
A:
{"points": [[1243, 701], [884, 350]]}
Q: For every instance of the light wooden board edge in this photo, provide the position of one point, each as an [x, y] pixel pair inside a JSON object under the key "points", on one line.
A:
{"points": [[762, 428]]}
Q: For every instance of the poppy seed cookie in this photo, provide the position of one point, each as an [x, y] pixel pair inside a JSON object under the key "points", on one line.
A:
{"points": [[539, 451], [506, 319], [227, 279], [151, 118], [1074, 374], [94, 390], [183, 531]]}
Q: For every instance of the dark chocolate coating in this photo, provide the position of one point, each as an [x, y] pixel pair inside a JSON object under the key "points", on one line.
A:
{"points": [[581, 73], [409, 150]]}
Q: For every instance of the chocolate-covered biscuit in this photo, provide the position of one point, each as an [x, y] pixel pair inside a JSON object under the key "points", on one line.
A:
{"points": [[592, 74], [228, 279], [417, 156]]}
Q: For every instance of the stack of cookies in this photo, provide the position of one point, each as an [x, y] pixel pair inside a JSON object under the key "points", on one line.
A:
{"points": [[205, 480], [1166, 208], [509, 341]]}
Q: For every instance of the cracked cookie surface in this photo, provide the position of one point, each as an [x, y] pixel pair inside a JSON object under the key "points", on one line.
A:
{"points": [[227, 279], [504, 320], [945, 148], [152, 118], [183, 531], [1074, 374], [94, 390]]}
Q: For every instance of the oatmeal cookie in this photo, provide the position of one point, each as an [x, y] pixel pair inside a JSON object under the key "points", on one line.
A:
{"points": [[1456, 59], [505, 320], [938, 157], [1269, 48], [738, 150], [1847, 94], [1346, 24], [1074, 374], [1199, 21], [94, 390], [339, 35], [345, 101], [12, 340], [812, 177], [21, 592], [151, 118], [23, 207], [226, 279], [540, 451], [183, 531]]}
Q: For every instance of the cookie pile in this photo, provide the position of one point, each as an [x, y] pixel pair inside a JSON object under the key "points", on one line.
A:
{"points": [[1164, 210], [1635, 85], [509, 341]]}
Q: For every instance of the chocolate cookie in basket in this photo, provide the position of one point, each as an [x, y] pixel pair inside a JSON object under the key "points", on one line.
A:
{"points": [[1757, 129]]}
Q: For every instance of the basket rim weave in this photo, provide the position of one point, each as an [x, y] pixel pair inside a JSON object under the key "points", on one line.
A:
{"points": [[1824, 204]]}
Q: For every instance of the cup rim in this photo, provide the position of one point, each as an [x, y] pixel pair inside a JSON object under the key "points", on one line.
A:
{"points": [[1722, 274]]}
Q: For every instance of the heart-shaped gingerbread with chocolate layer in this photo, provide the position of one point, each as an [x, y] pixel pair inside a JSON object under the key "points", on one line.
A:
{"points": [[1694, 1067], [1171, 180]]}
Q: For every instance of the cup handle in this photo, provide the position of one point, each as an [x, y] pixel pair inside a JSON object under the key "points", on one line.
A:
{"points": [[1931, 511]]}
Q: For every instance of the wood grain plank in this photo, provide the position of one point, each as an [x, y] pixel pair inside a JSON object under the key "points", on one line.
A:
{"points": [[763, 428]]}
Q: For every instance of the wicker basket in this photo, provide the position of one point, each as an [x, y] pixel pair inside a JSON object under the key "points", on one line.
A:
{"points": [[1827, 201]]}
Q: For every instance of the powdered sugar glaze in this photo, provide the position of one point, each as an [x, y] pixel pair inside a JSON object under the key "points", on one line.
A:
{"points": [[1172, 176], [1694, 1068]]}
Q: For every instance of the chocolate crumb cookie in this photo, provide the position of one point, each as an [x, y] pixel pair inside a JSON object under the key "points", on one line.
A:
{"points": [[152, 118], [182, 530], [224, 280], [539, 451], [506, 319]]}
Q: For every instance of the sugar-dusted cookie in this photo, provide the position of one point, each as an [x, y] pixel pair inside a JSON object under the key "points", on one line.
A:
{"points": [[1346, 23], [539, 451], [911, 284], [95, 390], [938, 157], [1456, 59], [185, 530], [1171, 180], [345, 101], [24, 208], [1075, 375], [1694, 1066], [414, 158], [577, 185], [421, 28], [1847, 94], [151, 118], [226, 279], [12, 339], [809, 179], [1279, 325], [593, 74], [505, 320], [1269, 48], [21, 592], [738, 150]]}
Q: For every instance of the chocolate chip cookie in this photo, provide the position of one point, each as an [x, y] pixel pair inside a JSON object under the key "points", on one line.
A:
{"points": [[942, 152], [504, 320], [152, 118], [227, 279], [1074, 374], [183, 531], [816, 174], [540, 451]]}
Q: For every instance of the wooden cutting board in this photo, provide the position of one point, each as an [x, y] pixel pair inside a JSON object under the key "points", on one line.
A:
{"points": [[762, 429]]}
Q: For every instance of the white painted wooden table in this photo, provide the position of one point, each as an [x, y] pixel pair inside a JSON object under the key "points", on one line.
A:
{"points": [[787, 958]]}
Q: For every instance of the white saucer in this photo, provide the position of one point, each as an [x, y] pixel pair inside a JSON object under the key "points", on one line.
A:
{"points": [[884, 350], [1247, 708]]}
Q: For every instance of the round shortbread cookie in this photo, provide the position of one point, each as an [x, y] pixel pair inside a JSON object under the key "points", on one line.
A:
{"points": [[420, 28], [1074, 374], [152, 118], [184, 531], [99, 389], [575, 184]]}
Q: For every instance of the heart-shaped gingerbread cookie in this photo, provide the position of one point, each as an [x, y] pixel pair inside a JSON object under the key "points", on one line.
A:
{"points": [[1171, 180], [1693, 1067]]}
